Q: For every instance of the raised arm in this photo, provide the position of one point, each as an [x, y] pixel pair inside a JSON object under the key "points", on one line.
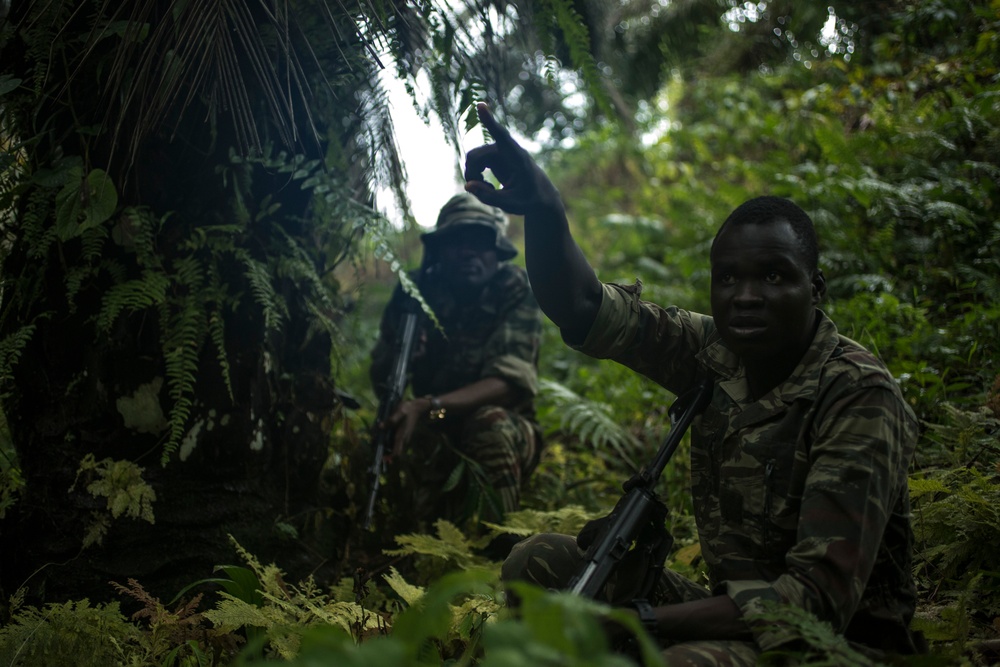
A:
{"points": [[564, 283]]}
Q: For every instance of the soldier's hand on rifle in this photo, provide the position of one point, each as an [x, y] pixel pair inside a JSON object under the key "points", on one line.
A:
{"points": [[404, 421], [525, 189]]}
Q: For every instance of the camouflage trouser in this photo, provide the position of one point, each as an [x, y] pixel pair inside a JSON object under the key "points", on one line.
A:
{"points": [[551, 560], [501, 445]]}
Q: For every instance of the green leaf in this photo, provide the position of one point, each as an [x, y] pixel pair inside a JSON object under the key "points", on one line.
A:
{"points": [[241, 584], [69, 208], [101, 200], [83, 203], [454, 477], [8, 84]]}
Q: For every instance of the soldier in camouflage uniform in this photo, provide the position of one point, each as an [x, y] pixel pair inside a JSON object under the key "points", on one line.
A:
{"points": [[799, 463], [473, 380]]}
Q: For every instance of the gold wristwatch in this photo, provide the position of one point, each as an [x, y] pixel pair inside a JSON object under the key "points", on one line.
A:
{"points": [[436, 412]]}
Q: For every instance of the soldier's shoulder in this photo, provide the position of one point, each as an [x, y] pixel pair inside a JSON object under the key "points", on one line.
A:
{"points": [[856, 357], [853, 364], [510, 284]]}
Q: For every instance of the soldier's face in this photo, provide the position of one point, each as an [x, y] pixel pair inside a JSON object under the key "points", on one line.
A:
{"points": [[469, 256], [764, 295]]}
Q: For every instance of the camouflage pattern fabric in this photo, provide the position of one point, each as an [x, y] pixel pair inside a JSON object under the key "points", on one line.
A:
{"points": [[501, 444], [801, 496], [497, 336]]}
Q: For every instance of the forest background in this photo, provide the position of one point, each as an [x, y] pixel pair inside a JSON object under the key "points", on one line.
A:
{"points": [[193, 273]]}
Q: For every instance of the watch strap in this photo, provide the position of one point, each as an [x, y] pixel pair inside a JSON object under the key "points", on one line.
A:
{"points": [[647, 616]]}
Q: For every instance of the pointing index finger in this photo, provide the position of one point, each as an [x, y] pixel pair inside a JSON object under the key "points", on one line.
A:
{"points": [[496, 130]]}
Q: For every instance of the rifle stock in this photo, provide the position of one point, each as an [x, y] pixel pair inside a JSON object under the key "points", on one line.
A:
{"points": [[390, 399], [640, 507]]}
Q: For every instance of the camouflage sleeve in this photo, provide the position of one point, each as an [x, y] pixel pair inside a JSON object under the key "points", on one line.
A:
{"points": [[512, 349], [856, 471], [660, 343]]}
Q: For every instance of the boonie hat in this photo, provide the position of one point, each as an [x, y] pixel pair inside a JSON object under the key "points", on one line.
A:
{"points": [[465, 209]]}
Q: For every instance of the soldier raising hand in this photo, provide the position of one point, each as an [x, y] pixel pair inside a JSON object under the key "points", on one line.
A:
{"points": [[799, 463]]}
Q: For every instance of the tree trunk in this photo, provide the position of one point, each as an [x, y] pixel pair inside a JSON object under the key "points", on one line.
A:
{"points": [[248, 466]]}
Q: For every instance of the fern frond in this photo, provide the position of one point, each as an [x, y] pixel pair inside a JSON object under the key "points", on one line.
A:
{"points": [[136, 231], [70, 633], [182, 333], [274, 308], [11, 347], [451, 545], [567, 520], [957, 527], [562, 15], [345, 615], [475, 609], [96, 530], [284, 610], [132, 295], [587, 420], [410, 593], [76, 276], [217, 331], [270, 576], [35, 222], [188, 271], [92, 242], [921, 487], [116, 270], [231, 613], [298, 264]]}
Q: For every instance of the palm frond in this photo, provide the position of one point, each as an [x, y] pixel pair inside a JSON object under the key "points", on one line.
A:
{"points": [[235, 57]]}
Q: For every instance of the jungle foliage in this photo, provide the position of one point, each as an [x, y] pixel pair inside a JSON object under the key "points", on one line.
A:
{"points": [[886, 132]]}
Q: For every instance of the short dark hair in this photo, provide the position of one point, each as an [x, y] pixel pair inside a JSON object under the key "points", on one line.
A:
{"points": [[769, 209]]}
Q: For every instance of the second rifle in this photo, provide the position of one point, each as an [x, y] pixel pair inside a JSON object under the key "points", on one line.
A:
{"points": [[390, 399]]}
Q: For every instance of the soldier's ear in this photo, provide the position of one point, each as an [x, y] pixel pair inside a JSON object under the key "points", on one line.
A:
{"points": [[818, 287]]}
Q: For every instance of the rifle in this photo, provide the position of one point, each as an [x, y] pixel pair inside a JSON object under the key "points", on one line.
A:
{"points": [[637, 521], [391, 398]]}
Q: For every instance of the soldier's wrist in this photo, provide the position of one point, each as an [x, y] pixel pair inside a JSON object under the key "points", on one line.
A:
{"points": [[647, 616], [435, 410]]}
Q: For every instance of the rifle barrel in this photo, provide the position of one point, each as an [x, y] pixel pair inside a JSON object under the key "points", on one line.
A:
{"points": [[390, 400], [635, 508]]}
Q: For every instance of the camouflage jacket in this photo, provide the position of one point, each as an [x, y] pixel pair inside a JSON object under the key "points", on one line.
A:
{"points": [[497, 336], [801, 496]]}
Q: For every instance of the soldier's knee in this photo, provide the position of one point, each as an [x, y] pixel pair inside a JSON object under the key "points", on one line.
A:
{"points": [[491, 432], [549, 560]]}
